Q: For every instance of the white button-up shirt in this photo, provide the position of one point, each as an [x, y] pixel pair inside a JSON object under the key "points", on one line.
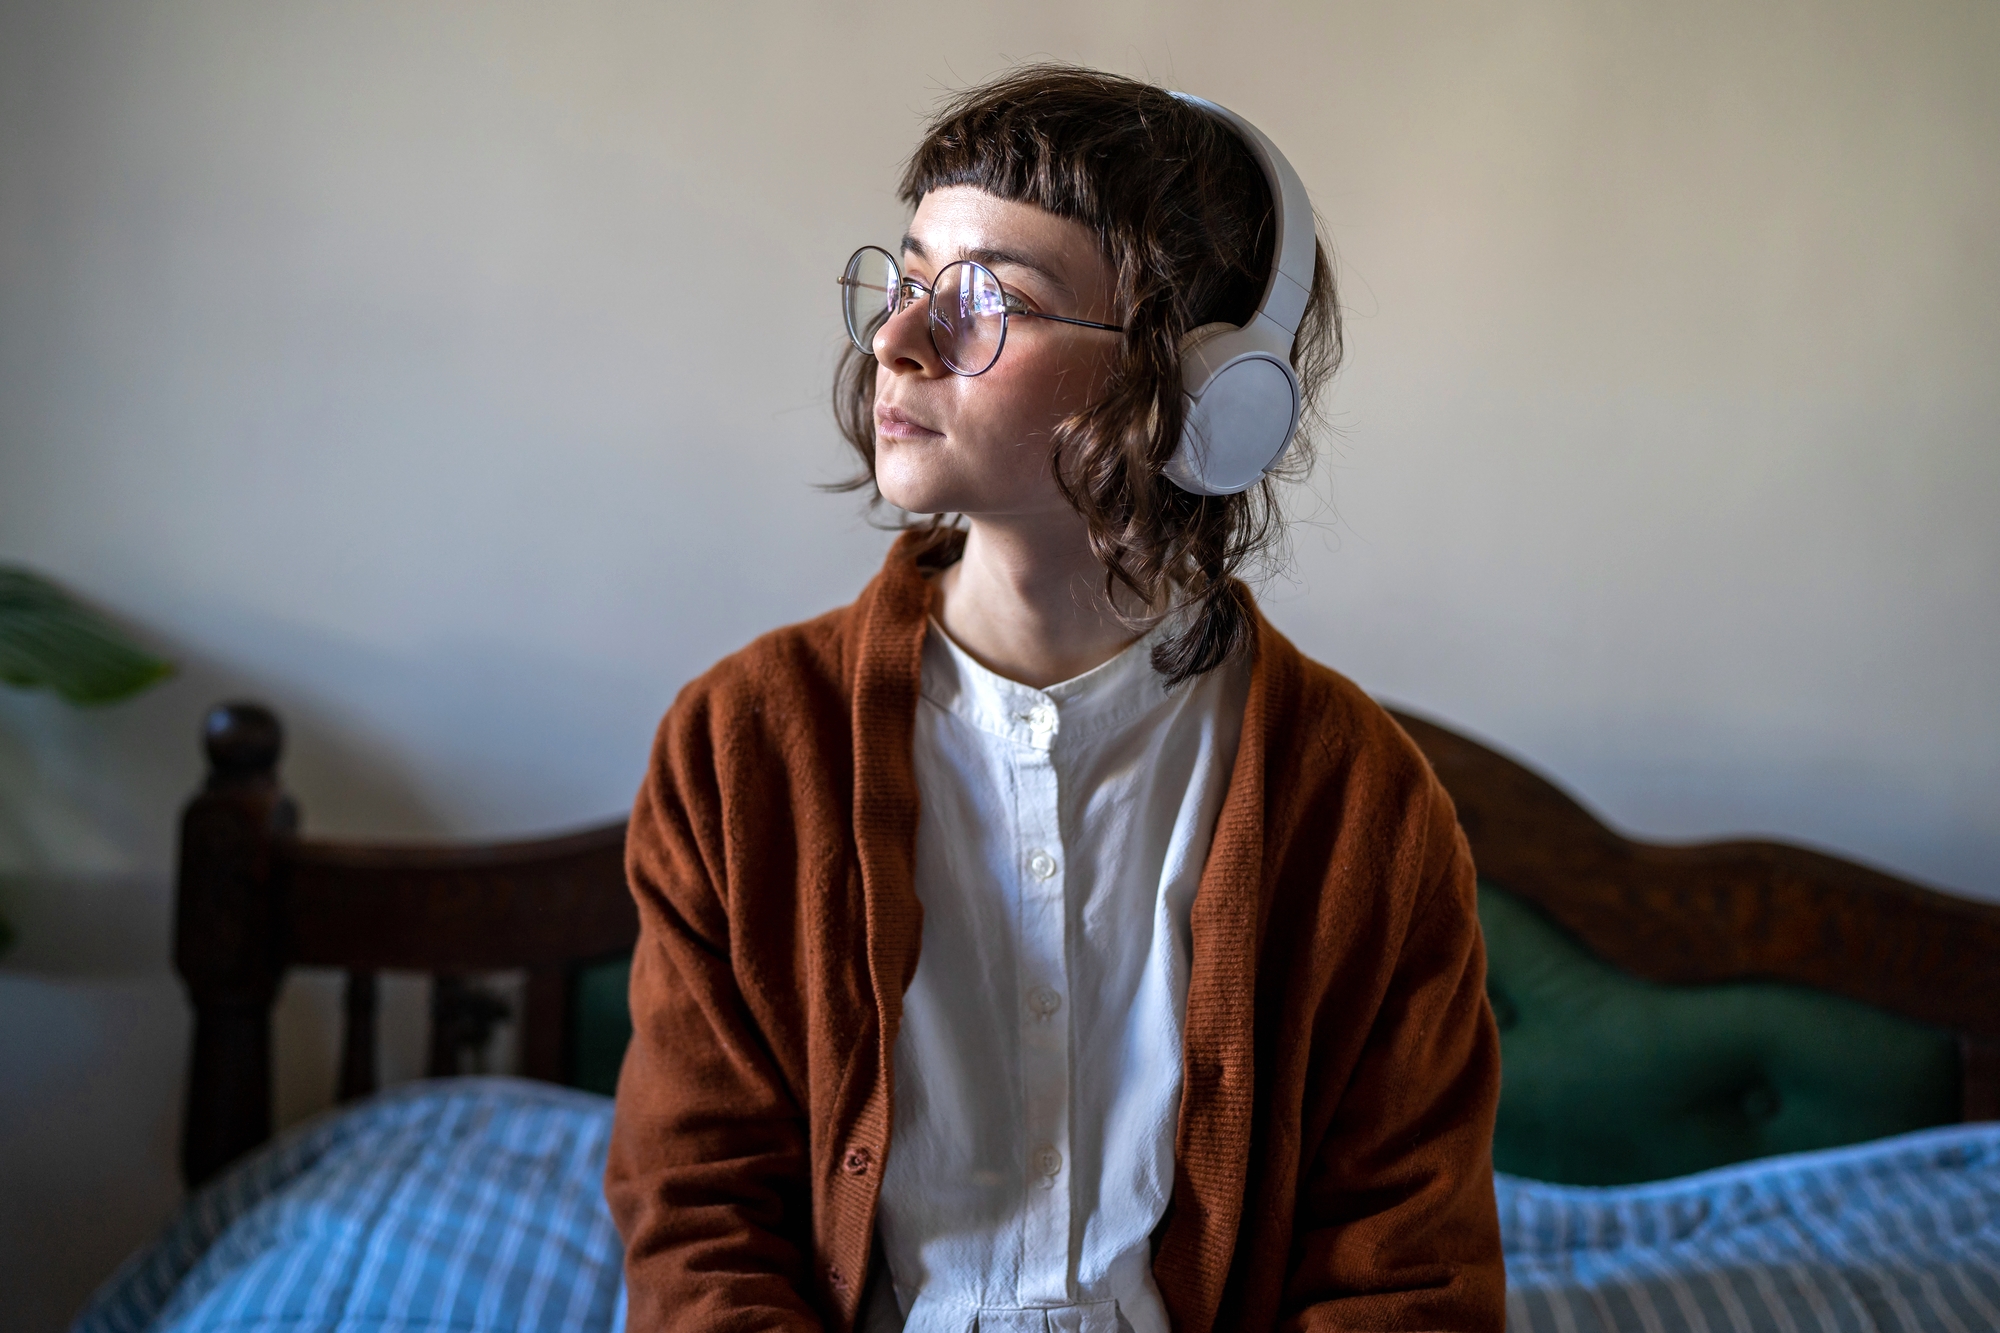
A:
{"points": [[1038, 1068]]}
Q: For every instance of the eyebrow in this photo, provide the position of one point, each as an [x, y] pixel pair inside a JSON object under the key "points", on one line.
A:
{"points": [[993, 258]]}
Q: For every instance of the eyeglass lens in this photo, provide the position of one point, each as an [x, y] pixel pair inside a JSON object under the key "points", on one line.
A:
{"points": [[968, 317], [868, 294], [968, 314]]}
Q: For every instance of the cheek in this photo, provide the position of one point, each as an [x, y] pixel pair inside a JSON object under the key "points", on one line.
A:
{"points": [[1025, 400], [998, 436]]}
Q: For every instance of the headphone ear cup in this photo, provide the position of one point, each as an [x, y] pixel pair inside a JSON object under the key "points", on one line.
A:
{"points": [[1241, 404]]}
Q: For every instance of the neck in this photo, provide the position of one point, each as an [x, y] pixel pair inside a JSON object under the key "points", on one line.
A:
{"points": [[1027, 601]]}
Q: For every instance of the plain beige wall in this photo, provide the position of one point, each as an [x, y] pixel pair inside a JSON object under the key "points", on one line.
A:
{"points": [[452, 376]]}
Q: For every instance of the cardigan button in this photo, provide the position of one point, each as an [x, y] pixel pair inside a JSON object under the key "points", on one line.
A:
{"points": [[857, 1161], [835, 1280]]}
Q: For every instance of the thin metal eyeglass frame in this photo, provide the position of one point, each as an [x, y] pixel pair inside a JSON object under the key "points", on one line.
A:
{"points": [[934, 319]]}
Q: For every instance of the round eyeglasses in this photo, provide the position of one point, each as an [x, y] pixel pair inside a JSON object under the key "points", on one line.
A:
{"points": [[969, 308]]}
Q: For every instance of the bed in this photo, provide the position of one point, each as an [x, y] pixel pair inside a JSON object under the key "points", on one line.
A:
{"points": [[1746, 1086]]}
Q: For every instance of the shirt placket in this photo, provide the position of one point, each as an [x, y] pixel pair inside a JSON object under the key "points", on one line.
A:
{"points": [[1041, 1002]]}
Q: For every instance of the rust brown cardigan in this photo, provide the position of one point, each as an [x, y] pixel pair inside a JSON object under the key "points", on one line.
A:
{"points": [[1332, 1160]]}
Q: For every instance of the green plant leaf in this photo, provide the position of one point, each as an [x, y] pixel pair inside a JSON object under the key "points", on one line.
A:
{"points": [[50, 641]]}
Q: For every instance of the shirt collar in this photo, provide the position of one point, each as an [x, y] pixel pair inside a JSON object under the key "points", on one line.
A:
{"points": [[1104, 697]]}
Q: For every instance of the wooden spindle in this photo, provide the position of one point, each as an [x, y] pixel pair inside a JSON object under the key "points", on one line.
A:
{"points": [[226, 944], [357, 1046], [1979, 1077], [545, 1025], [463, 1017]]}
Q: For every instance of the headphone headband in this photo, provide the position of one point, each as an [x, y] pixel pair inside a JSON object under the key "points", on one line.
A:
{"points": [[1290, 285]]}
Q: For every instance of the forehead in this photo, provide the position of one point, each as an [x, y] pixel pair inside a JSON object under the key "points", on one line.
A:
{"points": [[964, 222]]}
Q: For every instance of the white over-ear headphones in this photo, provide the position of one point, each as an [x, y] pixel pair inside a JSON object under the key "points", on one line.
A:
{"points": [[1242, 395]]}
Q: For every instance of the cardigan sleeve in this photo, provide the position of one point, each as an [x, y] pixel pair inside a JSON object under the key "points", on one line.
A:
{"points": [[707, 1174], [1396, 1226]]}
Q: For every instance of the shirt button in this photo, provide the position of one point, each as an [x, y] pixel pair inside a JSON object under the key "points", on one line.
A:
{"points": [[1044, 1001], [1048, 1161], [1042, 864], [857, 1161]]}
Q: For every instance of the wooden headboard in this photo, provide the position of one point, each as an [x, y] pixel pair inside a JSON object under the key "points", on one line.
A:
{"points": [[1728, 911], [255, 899]]}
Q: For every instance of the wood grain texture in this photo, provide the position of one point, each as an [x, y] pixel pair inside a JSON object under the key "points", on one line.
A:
{"points": [[1723, 911], [473, 908]]}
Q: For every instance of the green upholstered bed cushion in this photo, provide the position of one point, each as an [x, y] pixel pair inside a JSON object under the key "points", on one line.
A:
{"points": [[1607, 1079], [603, 1024]]}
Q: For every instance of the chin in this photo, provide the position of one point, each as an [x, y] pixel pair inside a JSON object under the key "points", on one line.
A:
{"points": [[913, 487], [929, 479], [916, 499]]}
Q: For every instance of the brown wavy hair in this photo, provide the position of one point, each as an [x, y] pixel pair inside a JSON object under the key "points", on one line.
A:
{"points": [[1184, 216]]}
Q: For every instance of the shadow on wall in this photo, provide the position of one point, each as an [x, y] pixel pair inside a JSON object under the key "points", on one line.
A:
{"points": [[90, 803], [95, 1029]]}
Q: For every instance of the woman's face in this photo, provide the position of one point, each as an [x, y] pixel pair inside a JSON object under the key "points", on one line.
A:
{"points": [[979, 445]]}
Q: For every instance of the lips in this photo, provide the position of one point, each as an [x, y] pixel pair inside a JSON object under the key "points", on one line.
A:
{"points": [[895, 424]]}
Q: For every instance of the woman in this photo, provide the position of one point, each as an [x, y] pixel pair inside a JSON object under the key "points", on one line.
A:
{"points": [[1041, 942]]}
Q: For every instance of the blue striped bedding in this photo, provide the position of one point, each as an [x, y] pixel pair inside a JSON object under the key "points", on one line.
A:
{"points": [[463, 1205], [474, 1206], [1898, 1235]]}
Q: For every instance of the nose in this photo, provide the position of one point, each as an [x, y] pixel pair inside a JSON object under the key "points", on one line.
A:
{"points": [[903, 344]]}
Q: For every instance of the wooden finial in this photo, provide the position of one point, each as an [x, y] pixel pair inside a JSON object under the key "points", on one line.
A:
{"points": [[243, 741]]}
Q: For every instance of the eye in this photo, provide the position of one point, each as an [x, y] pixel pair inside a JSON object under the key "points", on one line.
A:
{"points": [[984, 300]]}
